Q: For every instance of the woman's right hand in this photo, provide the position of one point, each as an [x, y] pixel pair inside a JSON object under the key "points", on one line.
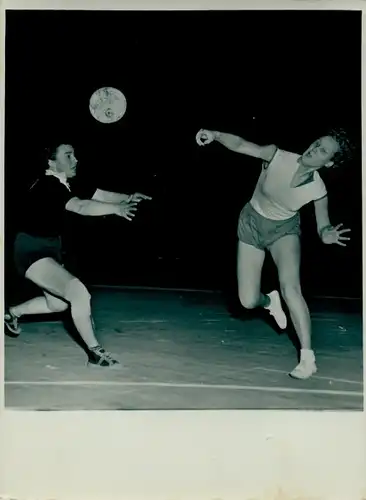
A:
{"points": [[205, 137], [126, 209]]}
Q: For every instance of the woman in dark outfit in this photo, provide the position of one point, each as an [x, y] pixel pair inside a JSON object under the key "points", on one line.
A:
{"points": [[37, 247]]}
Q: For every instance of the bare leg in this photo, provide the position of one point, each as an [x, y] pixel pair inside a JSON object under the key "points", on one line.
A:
{"points": [[286, 255], [249, 271], [45, 304], [39, 305], [54, 279]]}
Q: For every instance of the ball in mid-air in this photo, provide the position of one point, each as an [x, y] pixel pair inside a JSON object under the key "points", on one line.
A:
{"points": [[107, 105]]}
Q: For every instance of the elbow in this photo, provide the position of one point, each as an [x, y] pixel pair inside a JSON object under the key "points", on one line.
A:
{"points": [[240, 144]]}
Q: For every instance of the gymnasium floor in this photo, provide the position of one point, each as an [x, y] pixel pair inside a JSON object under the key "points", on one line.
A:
{"points": [[184, 351]]}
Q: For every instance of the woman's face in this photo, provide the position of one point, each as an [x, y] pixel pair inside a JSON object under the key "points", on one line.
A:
{"points": [[320, 153], [65, 160]]}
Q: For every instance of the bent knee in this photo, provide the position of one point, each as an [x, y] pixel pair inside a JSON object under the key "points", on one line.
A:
{"points": [[78, 296], [57, 305], [249, 301]]}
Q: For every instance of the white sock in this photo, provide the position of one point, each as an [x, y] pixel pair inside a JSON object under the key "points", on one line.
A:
{"points": [[307, 355]]}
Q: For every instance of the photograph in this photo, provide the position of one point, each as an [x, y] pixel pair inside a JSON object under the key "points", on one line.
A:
{"points": [[183, 210]]}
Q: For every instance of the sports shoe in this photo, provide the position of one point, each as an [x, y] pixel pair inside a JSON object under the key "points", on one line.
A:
{"points": [[275, 309], [11, 324], [98, 357], [307, 366]]}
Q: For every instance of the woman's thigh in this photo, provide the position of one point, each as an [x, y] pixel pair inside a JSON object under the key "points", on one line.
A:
{"points": [[249, 269], [50, 276], [286, 253]]}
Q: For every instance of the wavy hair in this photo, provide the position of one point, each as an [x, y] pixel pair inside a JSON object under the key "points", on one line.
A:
{"points": [[347, 148]]}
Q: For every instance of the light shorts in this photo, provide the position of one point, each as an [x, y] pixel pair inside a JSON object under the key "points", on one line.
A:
{"points": [[260, 232]]}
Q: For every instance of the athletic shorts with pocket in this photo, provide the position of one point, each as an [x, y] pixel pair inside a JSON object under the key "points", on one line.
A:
{"points": [[260, 232]]}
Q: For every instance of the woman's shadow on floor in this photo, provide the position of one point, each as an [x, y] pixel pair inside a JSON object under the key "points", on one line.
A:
{"points": [[237, 311]]}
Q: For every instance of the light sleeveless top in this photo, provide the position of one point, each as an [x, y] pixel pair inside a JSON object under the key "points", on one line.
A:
{"points": [[274, 198]]}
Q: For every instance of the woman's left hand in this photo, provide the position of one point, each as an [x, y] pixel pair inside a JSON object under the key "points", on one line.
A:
{"points": [[335, 234], [137, 197]]}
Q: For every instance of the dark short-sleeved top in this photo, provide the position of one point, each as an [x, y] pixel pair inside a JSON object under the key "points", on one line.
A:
{"points": [[43, 211]]}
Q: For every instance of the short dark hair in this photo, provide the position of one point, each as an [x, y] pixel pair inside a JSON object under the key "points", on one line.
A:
{"points": [[347, 147], [51, 150]]}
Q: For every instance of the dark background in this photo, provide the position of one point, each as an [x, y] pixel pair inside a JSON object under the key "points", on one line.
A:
{"points": [[271, 76]]}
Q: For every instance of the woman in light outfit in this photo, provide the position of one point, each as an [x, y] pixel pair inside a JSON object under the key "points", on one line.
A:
{"points": [[271, 220], [37, 248]]}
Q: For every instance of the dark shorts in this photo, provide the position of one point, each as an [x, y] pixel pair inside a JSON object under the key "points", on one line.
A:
{"points": [[260, 232], [28, 249]]}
